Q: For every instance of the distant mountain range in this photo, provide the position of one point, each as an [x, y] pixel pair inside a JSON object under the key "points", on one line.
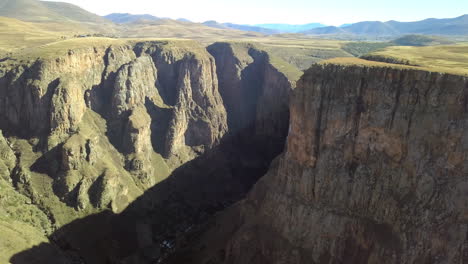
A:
{"points": [[287, 28], [121, 18], [265, 28], [431, 26], [215, 24], [74, 16]]}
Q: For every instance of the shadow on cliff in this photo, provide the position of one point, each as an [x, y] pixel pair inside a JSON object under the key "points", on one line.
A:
{"points": [[166, 215]]}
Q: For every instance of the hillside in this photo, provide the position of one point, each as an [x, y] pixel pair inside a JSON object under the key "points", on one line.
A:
{"points": [[28, 10], [168, 28], [121, 18], [325, 31], [452, 58], [374, 28], [64, 18], [287, 28], [44, 11], [448, 27], [16, 34], [421, 40], [214, 24], [432, 26]]}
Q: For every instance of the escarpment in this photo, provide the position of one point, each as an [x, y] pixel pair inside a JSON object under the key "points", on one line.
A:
{"points": [[374, 172], [256, 95], [137, 143], [50, 99]]}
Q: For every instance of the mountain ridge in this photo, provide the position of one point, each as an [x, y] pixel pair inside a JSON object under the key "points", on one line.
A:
{"points": [[43, 11], [429, 26]]}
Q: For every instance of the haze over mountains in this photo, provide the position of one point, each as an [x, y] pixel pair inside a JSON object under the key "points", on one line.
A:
{"points": [[71, 15], [431, 26]]}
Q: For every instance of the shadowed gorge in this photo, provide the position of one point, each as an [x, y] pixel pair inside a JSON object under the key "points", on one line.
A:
{"points": [[142, 145], [374, 172], [154, 139]]}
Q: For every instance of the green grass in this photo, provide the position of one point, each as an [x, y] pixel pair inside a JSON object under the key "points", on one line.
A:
{"points": [[421, 40], [73, 12], [290, 71], [448, 58], [28, 10], [17, 237], [16, 34], [360, 48], [301, 52]]}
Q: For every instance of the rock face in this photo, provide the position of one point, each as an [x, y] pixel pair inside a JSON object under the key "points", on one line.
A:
{"points": [[256, 95], [93, 133], [53, 100], [374, 172]]}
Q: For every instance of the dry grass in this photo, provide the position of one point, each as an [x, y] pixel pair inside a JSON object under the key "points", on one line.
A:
{"points": [[302, 52], [16, 34], [297, 50], [450, 58], [368, 63]]}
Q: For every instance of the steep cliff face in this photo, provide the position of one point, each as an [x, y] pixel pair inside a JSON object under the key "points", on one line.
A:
{"points": [[86, 118], [256, 95], [374, 172], [93, 132]]}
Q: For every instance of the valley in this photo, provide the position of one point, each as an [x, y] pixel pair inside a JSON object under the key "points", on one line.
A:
{"points": [[137, 139]]}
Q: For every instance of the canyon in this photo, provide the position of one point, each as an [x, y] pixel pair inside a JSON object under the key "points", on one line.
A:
{"points": [[132, 142], [167, 151], [374, 171]]}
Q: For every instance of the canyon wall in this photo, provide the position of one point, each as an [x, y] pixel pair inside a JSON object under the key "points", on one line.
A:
{"points": [[374, 172], [134, 134]]}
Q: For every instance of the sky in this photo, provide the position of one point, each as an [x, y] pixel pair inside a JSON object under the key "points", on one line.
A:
{"points": [[329, 12]]}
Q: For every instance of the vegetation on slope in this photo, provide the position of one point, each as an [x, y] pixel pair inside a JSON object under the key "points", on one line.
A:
{"points": [[421, 40], [360, 48], [44, 11], [450, 58], [17, 34]]}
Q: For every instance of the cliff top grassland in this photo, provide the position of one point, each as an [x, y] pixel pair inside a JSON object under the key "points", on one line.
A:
{"points": [[448, 58], [61, 48], [45, 37], [19, 34], [370, 63], [275, 56], [303, 52]]}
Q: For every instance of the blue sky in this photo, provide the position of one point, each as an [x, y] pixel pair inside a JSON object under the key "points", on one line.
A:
{"points": [[331, 12]]}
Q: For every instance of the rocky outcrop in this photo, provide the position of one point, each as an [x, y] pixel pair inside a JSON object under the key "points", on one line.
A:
{"points": [[374, 172], [7, 159], [55, 100], [203, 118], [117, 120], [256, 95]]}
